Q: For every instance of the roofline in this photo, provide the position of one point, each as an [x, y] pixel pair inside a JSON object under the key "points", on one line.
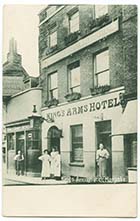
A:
{"points": [[47, 18], [25, 91]]}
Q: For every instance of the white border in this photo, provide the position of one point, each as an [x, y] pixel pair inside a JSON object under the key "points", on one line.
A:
{"points": [[76, 2]]}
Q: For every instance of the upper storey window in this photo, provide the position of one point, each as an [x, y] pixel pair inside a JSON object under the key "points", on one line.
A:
{"points": [[101, 67], [74, 22], [100, 10], [51, 10], [53, 39]]}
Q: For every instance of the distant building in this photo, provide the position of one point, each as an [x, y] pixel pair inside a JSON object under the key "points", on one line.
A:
{"points": [[21, 120], [88, 64]]}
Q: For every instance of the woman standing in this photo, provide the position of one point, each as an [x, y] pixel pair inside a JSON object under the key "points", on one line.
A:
{"points": [[45, 158], [55, 164]]}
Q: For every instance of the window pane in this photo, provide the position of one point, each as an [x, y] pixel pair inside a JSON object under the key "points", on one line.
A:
{"points": [[102, 61], [74, 22], [10, 141], [53, 39], [75, 77], [103, 78], [53, 81], [77, 143], [76, 89], [55, 93], [100, 10]]}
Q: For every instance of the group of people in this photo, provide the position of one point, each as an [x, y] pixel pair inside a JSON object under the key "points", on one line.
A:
{"points": [[51, 164]]}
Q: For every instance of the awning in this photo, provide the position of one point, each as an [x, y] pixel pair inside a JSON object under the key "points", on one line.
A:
{"points": [[128, 121]]}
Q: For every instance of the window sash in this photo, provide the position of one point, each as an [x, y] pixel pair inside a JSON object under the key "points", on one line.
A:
{"points": [[101, 68], [75, 79], [77, 143], [74, 22], [103, 78], [102, 61], [100, 10], [53, 85], [54, 93], [53, 39]]}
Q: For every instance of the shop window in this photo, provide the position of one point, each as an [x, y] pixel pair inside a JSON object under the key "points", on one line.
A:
{"points": [[74, 22], [10, 141], [53, 86], [77, 143], [33, 139], [74, 77], [130, 151], [100, 10], [101, 69]]}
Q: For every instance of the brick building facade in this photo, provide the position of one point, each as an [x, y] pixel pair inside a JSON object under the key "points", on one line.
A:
{"points": [[88, 72]]}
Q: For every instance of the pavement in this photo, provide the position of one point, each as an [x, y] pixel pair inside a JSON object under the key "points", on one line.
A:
{"points": [[26, 180]]}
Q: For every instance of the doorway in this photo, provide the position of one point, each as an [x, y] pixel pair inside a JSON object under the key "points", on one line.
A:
{"points": [[53, 137], [103, 132]]}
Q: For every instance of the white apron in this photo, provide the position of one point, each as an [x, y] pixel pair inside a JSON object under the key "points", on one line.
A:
{"points": [[45, 165]]}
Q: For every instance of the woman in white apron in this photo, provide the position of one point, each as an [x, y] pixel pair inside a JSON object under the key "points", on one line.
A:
{"points": [[45, 158], [55, 164]]}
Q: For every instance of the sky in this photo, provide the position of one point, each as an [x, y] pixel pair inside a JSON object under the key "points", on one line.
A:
{"points": [[21, 22]]}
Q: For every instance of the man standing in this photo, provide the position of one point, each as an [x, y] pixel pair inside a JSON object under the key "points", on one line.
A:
{"points": [[102, 157], [19, 159]]}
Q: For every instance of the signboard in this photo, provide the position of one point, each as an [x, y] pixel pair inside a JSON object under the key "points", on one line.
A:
{"points": [[85, 107]]}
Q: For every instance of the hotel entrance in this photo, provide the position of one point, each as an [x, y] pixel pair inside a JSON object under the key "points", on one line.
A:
{"points": [[103, 132], [54, 135]]}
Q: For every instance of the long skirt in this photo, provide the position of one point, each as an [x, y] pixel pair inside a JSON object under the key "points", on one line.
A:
{"points": [[102, 167]]}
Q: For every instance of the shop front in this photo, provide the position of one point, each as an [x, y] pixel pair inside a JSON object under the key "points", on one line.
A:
{"points": [[79, 127], [25, 136], [23, 130]]}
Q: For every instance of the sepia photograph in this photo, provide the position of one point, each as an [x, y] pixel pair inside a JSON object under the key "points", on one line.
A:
{"points": [[70, 100]]}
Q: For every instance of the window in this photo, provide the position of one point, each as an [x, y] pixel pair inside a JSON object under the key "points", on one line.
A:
{"points": [[130, 150], [74, 78], [74, 22], [10, 141], [53, 86], [101, 66], [33, 139], [100, 10], [77, 143], [51, 10], [53, 39]]}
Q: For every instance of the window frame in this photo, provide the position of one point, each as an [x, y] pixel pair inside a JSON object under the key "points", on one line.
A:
{"points": [[70, 68], [50, 41], [97, 73], [72, 157], [50, 90], [70, 15]]}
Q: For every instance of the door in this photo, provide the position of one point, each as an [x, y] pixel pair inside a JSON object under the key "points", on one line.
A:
{"points": [[103, 132], [53, 138]]}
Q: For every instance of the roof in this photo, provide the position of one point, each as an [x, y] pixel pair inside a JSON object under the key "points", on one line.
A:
{"points": [[13, 69]]}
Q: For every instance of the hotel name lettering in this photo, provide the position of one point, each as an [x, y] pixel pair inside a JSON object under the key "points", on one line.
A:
{"points": [[85, 108]]}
